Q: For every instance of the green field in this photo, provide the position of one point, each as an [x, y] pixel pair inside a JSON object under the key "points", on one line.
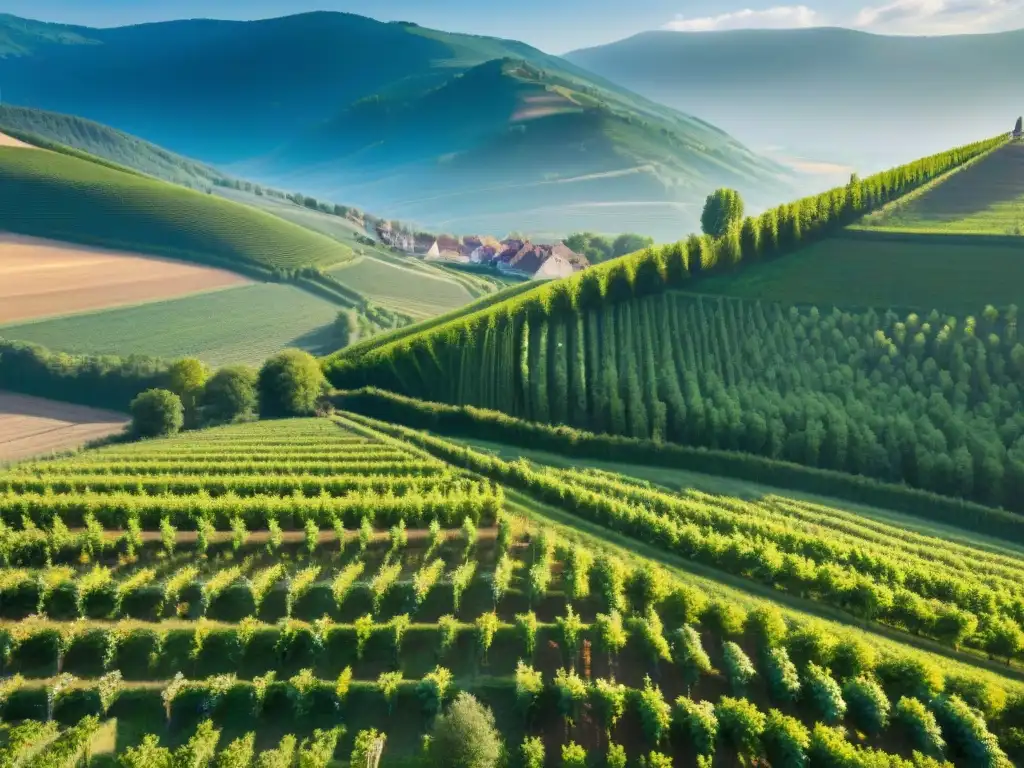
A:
{"points": [[58, 196], [235, 325], [882, 270], [314, 573], [416, 292], [986, 197]]}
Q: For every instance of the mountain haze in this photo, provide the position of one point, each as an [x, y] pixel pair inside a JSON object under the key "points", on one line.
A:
{"points": [[446, 129], [827, 94]]}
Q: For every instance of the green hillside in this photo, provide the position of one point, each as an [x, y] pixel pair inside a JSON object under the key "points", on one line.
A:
{"points": [[986, 198], [53, 195], [334, 127], [535, 141], [928, 399], [104, 142]]}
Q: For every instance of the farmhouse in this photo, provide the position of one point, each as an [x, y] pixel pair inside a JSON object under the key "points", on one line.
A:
{"points": [[541, 262]]}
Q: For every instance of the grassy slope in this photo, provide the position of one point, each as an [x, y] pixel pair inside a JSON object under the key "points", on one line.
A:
{"points": [[409, 290], [47, 194], [952, 245], [235, 325], [985, 198], [104, 142], [921, 274]]}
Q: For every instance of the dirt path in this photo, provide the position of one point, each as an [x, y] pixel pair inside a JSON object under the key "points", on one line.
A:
{"points": [[31, 426], [10, 141]]}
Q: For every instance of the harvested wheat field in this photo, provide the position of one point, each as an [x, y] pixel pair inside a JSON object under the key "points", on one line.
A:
{"points": [[43, 278], [10, 141], [31, 426]]}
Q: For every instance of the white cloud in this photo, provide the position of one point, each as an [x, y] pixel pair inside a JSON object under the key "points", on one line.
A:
{"points": [[779, 17], [941, 17]]}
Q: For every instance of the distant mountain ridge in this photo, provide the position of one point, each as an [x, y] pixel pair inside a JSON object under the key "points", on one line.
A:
{"points": [[828, 94], [301, 97]]}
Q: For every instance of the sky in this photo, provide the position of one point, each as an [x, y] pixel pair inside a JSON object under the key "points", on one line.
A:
{"points": [[559, 26]]}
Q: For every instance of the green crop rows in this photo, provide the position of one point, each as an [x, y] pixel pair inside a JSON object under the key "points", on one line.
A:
{"points": [[236, 325], [267, 594]]}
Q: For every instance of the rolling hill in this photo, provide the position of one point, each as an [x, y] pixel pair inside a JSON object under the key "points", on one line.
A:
{"points": [[287, 99], [68, 197], [103, 141], [830, 95]]}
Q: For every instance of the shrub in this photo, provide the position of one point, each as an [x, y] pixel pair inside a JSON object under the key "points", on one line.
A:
{"points": [[317, 751], [608, 699], [238, 754], [433, 688], [689, 654], [741, 724], [910, 676], [738, 667], [698, 722], [229, 395], [852, 657], [148, 754], [465, 736], [724, 619], [921, 726], [616, 757], [785, 741], [655, 713], [157, 413], [783, 679], [967, 733], [529, 686], [366, 750], [290, 384], [868, 705], [574, 756], [767, 626], [532, 752], [825, 694]]}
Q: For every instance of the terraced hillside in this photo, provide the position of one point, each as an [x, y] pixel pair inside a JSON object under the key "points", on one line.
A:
{"points": [[252, 592], [63, 197]]}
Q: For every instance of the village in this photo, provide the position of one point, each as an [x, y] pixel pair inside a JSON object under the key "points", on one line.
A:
{"points": [[538, 261]]}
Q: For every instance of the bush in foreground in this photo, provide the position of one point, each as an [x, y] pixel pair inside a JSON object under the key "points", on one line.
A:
{"points": [[465, 736]]}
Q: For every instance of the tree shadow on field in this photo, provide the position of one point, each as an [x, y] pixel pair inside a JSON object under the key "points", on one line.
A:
{"points": [[319, 341], [998, 178]]}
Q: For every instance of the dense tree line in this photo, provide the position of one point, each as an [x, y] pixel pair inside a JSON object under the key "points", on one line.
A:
{"points": [[931, 401], [599, 248]]}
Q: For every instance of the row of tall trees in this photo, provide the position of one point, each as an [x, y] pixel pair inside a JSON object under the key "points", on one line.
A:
{"points": [[933, 401]]}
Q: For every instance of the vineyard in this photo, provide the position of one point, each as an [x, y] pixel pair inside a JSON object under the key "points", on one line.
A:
{"points": [[309, 591]]}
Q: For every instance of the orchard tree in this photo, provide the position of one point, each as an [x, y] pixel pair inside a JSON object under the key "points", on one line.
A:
{"points": [[723, 209], [290, 384], [157, 413]]}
